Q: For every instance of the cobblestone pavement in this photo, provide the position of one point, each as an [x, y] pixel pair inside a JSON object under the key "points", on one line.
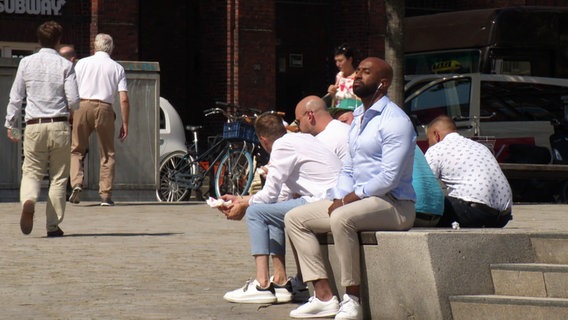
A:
{"points": [[148, 261]]}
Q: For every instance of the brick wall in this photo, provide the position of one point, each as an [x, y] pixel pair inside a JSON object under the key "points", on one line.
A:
{"points": [[237, 50], [120, 20], [256, 54]]}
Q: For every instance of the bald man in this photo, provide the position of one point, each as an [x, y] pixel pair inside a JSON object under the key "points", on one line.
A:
{"points": [[373, 192], [478, 194], [68, 52], [313, 117]]}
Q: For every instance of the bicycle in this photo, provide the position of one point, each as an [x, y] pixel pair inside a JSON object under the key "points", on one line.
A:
{"points": [[228, 162]]}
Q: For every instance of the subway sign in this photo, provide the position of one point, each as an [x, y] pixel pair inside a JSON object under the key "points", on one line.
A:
{"points": [[33, 7]]}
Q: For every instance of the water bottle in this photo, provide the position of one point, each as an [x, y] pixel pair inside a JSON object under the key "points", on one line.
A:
{"points": [[16, 133]]}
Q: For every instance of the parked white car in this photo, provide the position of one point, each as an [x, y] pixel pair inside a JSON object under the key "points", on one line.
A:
{"points": [[172, 132], [508, 109]]}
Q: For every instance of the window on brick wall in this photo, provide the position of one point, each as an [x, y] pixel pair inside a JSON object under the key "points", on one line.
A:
{"points": [[17, 49]]}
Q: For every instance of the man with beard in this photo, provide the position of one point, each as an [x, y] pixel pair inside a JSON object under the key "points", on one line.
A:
{"points": [[373, 192]]}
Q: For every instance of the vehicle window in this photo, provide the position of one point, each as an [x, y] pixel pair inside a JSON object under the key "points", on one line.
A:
{"points": [[451, 98], [162, 119], [452, 61], [510, 101], [528, 61]]}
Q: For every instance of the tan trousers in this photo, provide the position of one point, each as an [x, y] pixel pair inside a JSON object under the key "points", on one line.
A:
{"points": [[368, 214], [46, 151], [97, 116]]}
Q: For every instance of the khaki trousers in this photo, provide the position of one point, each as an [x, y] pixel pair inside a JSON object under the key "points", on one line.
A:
{"points": [[46, 151], [97, 116], [368, 214]]}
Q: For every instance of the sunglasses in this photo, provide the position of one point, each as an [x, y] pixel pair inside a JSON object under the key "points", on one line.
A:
{"points": [[297, 121]]}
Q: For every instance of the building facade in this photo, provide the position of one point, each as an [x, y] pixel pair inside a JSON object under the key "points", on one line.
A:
{"points": [[265, 54]]}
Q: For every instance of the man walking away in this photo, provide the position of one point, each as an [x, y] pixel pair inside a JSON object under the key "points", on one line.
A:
{"points": [[99, 79], [46, 81]]}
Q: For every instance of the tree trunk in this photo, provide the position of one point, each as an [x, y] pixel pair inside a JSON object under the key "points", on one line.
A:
{"points": [[394, 48]]}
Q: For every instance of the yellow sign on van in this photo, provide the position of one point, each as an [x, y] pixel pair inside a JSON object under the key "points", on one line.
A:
{"points": [[447, 66]]}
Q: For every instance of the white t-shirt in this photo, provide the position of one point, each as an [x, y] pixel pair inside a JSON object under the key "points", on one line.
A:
{"points": [[305, 165], [470, 171], [335, 136]]}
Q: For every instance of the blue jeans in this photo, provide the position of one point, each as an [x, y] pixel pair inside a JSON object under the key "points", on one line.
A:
{"points": [[266, 226]]}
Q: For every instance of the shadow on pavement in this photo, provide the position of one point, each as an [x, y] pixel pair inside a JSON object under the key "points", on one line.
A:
{"points": [[121, 234]]}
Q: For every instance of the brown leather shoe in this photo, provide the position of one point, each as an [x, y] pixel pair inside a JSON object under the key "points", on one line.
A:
{"points": [[27, 218], [56, 233]]}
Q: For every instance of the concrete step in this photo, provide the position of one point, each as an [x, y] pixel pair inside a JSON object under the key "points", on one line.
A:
{"points": [[494, 307], [530, 279], [550, 247]]}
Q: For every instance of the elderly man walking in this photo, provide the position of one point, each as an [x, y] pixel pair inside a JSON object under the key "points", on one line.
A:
{"points": [[99, 79]]}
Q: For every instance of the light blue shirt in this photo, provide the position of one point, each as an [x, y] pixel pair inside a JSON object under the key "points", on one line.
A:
{"points": [[381, 154]]}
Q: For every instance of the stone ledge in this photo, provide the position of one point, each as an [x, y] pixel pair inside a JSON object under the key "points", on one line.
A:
{"points": [[413, 273], [497, 299], [370, 237]]}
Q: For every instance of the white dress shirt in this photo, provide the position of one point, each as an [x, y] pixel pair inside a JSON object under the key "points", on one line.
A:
{"points": [[100, 78], [304, 164], [470, 171]]}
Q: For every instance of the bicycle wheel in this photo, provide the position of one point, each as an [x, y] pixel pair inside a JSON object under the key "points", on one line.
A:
{"points": [[234, 174], [172, 169]]}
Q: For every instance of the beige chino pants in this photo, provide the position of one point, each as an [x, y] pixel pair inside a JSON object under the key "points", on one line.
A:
{"points": [[368, 214], [97, 116], [46, 151]]}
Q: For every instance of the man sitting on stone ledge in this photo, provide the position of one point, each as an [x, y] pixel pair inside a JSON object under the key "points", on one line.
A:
{"points": [[478, 194], [373, 192], [307, 168]]}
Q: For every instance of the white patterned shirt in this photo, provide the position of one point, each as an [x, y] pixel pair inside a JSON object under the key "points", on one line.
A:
{"points": [[470, 171], [46, 81]]}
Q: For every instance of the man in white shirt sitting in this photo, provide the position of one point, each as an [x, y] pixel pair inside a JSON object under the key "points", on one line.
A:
{"points": [[313, 117], [308, 168]]}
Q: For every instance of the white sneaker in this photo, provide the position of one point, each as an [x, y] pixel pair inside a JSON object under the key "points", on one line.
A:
{"points": [[315, 308], [283, 292], [251, 292], [349, 309], [300, 290]]}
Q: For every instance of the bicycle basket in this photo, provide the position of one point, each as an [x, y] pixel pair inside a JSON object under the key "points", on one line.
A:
{"points": [[240, 131]]}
